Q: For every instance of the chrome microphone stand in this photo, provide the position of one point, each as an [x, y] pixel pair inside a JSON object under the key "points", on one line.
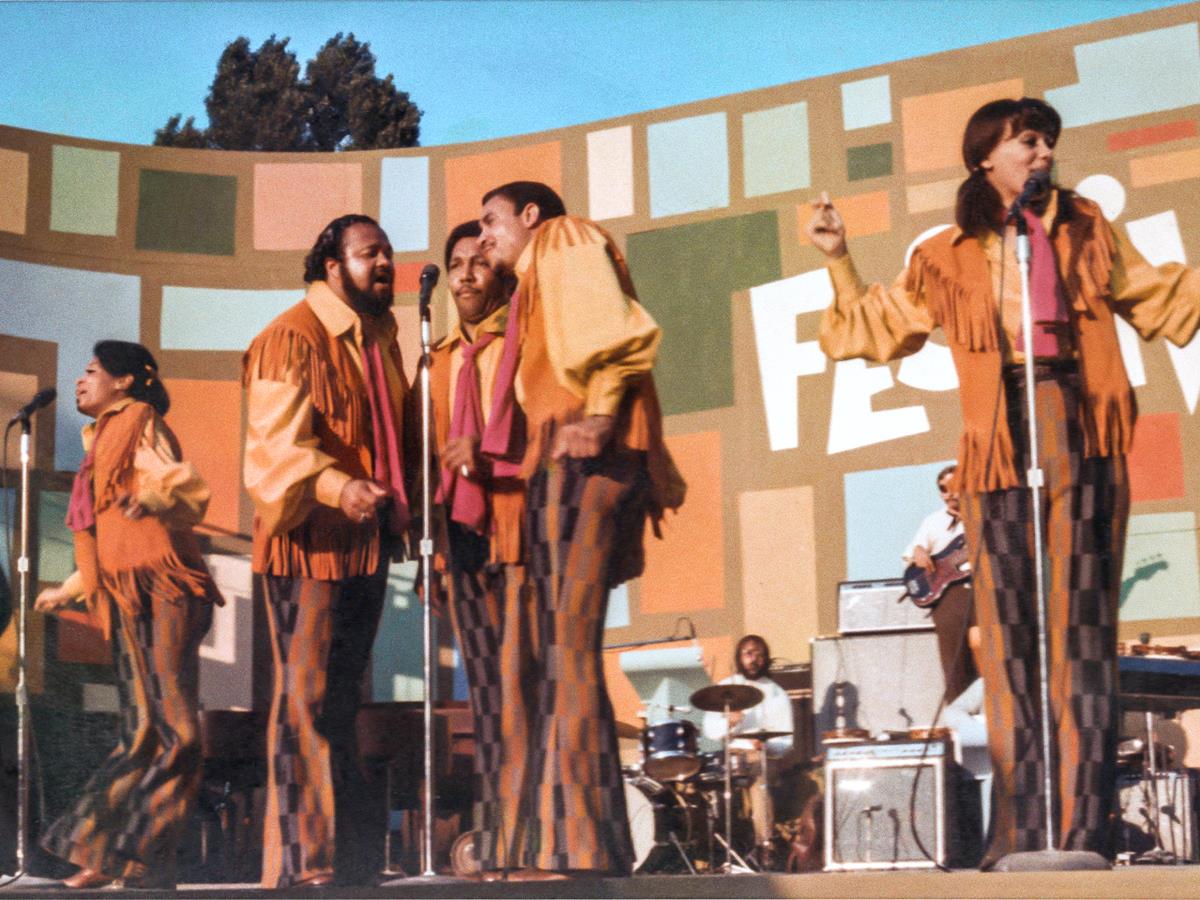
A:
{"points": [[429, 277], [1051, 858]]}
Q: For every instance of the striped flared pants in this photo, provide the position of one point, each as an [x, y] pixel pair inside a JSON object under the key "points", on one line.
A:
{"points": [[1085, 508], [133, 809]]}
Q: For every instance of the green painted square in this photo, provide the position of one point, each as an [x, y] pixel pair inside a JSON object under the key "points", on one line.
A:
{"points": [[871, 161], [685, 276], [56, 544], [185, 212], [83, 192]]}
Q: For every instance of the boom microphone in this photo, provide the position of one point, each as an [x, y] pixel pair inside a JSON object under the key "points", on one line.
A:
{"points": [[41, 399], [429, 279], [1036, 184]]}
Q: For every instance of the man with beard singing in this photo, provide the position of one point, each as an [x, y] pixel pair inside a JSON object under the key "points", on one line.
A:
{"points": [[324, 466]]}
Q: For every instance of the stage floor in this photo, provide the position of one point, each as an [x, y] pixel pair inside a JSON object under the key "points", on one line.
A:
{"points": [[1128, 883]]}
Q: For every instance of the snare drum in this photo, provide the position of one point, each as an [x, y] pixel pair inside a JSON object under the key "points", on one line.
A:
{"points": [[712, 768], [669, 750]]}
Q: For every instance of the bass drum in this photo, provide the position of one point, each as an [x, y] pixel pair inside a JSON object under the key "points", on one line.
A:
{"points": [[656, 813]]}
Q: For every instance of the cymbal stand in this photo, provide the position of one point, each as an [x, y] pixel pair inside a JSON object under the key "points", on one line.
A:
{"points": [[730, 854], [1158, 854]]}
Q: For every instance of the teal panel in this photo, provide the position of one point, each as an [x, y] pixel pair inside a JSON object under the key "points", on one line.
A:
{"points": [[186, 212], [685, 276], [867, 102], [1132, 75], [776, 155], [36, 301], [871, 161], [617, 614], [83, 194], [1160, 578], [404, 202], [884, 508], [216, 318], [56, 544], [688, 165], [397, 660]]}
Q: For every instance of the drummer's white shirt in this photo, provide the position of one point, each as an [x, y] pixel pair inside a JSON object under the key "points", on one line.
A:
{"points": [[773, 714]]}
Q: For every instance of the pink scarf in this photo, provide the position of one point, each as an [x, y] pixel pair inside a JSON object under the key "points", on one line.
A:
{"points": [[388, 469], [469, 504], [499, 440], [1048, 306], [81, 507]]}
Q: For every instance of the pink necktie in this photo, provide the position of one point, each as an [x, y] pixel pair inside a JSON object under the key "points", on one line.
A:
{"points": [[1048, 306], [389, 470], [468, 505], [503, 442]]}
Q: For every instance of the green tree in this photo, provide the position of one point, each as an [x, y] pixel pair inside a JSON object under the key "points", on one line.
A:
{"points": [[257, 101]]}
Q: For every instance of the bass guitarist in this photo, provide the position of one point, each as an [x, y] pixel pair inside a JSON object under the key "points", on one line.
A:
{"points": [[936, 542]]}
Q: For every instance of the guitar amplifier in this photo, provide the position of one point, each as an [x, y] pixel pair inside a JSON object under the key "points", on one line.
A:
{"points": [[874, 821], [866, 607]]}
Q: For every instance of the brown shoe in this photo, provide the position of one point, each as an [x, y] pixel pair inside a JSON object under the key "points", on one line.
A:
{"points": [[319, 880], [87, 879]]}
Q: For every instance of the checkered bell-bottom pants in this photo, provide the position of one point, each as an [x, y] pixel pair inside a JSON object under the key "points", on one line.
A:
{"points": [[321, 638], [134, 807], [492, 613], [1085, 508], [583, 528]]}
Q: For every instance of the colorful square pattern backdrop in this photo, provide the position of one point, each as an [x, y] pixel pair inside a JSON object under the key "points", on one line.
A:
{"points": [[186, 212], [83, 197], [294, 201], [404, 202], [14, 190], [469, 177], [207, 417], [218, 319], [775, 154], [689, 165], [679, 582], [685, 276]]}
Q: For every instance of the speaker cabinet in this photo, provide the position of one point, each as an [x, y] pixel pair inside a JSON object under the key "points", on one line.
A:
{"points": [[865, 607], [887, 682], [1173, 795]]}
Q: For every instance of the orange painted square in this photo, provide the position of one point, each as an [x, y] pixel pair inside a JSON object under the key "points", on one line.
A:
{"points": [[932, 124], [1156, 460], [14, 190], [80, 641], [1154, 134], [206, 416], [293, 202], [1162, 168], [468, 178], [863, 214], [408, 278], [686, 569], [715, 652]]}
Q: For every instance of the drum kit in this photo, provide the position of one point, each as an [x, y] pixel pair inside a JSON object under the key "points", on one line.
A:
{"points": [[680, 801]]}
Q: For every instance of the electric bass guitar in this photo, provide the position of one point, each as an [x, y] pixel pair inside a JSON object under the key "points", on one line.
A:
{"points": [[950, 566]]}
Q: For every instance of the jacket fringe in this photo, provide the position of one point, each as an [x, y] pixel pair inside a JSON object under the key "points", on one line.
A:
{"points": [[966, 318]]}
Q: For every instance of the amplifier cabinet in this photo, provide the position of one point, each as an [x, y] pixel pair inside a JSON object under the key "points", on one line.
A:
{"points": [[1174, 795], [865, 607], [872, 821], [884, 682]]}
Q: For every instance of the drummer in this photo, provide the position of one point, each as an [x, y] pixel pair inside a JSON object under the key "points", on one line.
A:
{"points": [[773, 714]]}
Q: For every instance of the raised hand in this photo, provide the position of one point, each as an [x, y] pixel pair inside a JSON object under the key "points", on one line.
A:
{"points": [[826, 229]]}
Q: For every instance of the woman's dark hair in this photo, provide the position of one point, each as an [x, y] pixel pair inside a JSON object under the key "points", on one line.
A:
{"points": [[329, 245], [119, 358], [469, 229], [521, 193], [979, 205]]}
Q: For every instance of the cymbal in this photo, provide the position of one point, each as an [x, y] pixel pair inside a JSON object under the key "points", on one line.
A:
{"points": [[715, 697], [760, 735], [627, 731]]}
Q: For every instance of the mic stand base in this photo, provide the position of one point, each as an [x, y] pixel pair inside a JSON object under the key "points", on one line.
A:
{"points": [[1052, 861]]}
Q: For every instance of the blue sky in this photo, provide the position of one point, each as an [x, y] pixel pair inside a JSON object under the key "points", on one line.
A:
{"points": [[479, 70]]}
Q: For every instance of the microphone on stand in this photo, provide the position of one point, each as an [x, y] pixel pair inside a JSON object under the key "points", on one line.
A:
{"points": [[429, 279], [41, 399], [1036, 184]]}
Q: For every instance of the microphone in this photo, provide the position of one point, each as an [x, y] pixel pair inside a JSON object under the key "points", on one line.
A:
{"points": [[429, 278], [1036, 184], [42, 398]]}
